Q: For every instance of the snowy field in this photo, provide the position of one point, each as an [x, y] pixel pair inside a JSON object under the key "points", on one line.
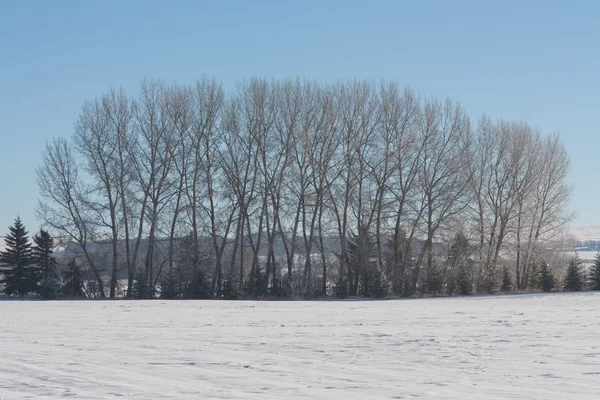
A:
{"points": [[505, 347]]}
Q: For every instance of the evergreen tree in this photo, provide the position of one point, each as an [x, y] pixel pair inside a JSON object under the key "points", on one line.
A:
{"points": [[534, 276], [255, 284], [230, 289], [507, 283], [20, 277], [341, 286], [574, 278], [487, 280], [545, 278], [45, 265], [199, 287], [365, 287], [594, 278], [460, 266], [378, 284], [141, 287], [50, 287], [435, 279], [451, 282], [464, 282], [73, 281], [169, 287]]}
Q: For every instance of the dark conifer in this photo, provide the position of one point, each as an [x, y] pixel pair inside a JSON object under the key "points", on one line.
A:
{"points": [[255, 285], [574, 278], [487, 280], [199, 287], [379, 287], [594, 278], [169, 287], [435, 279], [20, 278], [507, 283], [464, 282], [141, 287], [45, 265], [341, 286], [73, 281], [229, 291], [545, 278]]}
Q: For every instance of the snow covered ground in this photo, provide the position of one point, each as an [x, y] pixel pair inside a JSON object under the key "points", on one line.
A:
{"points": [[504, 347]]}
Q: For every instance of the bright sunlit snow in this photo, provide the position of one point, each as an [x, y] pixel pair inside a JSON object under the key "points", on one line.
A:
{"points": [[503, 347]]}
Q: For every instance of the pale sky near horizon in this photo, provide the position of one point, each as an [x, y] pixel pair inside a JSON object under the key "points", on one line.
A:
{"points": [[537, 61]]}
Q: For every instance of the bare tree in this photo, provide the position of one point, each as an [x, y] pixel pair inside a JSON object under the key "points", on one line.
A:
{"points": [[153, 162], [300, 173], [64, 208], [119, 111]]}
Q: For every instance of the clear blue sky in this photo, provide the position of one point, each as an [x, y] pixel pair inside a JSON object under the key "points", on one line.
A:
{"points": [[538, 61]]}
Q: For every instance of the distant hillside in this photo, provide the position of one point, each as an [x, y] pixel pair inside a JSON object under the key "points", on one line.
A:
{"points": [[585, 233]]}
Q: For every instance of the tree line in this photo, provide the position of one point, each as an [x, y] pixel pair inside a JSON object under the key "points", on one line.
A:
{"points": [[296, 188], [28, 268]]}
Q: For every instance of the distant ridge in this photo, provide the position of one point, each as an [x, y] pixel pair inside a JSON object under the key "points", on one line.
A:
{"points": [[585, 233]]}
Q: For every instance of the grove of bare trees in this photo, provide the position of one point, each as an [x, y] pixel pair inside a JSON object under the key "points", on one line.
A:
{"points": [[296, 188]]}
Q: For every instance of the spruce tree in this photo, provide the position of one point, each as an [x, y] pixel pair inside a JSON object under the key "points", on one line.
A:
{"points": [[464, 282], [141, 287], [255, 284], [574, 278], [435, 279], [507, 283], [379, 287], [487, 280], [73, 281], [594, 278], [230, 290], [199, 287], [545, 278], [45, 265], [341, 286], [169, 287], [20, 278]]}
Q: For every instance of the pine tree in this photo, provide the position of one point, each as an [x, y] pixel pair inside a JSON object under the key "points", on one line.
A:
{"points": [[141, 287], [451, 282], [574, 278], [255, 284], [45, 265], [20, 278], [460, 266], [379, 287], [341, 286], [463, 280], [545, 278], [73, 281], [487, 280], [534, 276], [594, 278], [507, 283], [230, 290], [199, 287], [169, 287], [435, 279]]}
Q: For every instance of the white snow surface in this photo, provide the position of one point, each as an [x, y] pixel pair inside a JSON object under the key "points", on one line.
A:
{"points": [[503, 347]]}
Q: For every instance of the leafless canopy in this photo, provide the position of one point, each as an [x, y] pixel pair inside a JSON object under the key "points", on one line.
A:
{"points": [[291, 186]]}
